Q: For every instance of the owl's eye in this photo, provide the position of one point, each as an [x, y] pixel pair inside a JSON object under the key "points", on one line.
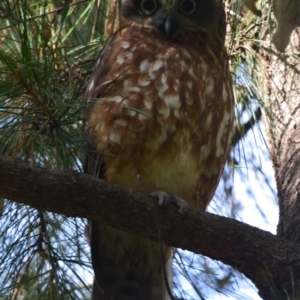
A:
{"points": [[188, 7], [148, 7]]}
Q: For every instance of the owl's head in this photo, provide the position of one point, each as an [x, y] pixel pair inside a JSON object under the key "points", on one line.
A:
{"points": [[176, 17]]}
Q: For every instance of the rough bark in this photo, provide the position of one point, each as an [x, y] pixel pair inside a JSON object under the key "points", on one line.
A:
{"points": [[269, 261], [279, 78], [282, 103]]}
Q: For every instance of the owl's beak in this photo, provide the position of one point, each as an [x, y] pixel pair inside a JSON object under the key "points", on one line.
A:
{"points": [[169, 27], [166, 26]]}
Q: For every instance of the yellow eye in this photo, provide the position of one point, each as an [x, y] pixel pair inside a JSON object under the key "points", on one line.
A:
{"points": [[188, 7], [148, 7]]}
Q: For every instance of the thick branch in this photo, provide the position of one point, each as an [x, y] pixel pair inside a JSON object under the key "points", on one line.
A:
{"points": [[258, 254]]}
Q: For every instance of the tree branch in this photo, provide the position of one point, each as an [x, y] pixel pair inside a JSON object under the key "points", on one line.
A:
{"points": [[264, 258]]}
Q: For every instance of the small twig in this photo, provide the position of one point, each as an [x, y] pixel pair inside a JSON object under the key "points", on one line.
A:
{"points": [[46, 13]]}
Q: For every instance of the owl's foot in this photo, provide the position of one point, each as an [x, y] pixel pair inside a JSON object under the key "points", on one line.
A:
{"points": [[164, 199]]}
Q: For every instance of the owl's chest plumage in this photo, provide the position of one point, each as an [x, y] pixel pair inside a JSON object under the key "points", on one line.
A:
{"points": [[160, 115]]}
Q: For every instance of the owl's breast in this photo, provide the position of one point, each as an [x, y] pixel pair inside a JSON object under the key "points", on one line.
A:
{"points": [[153, 92], [163, 102]]}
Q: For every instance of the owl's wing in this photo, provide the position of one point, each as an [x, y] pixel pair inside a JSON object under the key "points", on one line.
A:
{"points": [[94, 165]]}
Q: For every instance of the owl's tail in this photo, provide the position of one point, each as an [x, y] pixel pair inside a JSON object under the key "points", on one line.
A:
{"points": [[128, 267]]}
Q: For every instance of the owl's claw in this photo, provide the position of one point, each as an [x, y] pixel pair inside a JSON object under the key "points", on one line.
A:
{"points": [[164, 199]]}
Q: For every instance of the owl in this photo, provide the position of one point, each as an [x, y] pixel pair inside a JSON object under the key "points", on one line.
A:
{"points": [[160, 121]]}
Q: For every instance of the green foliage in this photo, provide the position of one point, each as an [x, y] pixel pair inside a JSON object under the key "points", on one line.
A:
{"points": [[47, 50], [45, 57]]}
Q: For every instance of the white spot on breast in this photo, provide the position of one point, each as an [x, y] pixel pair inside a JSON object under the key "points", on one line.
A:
{"points": [[126, 102], [162, 87], [156, 65], [124, 56], [115, 138], [135, 89], [129, 55], [131, 112], [116, 99], [147, 103], [172, 101], [189, 84], [125, 45], [144, 66], [121, 122], [120, 59], [127, 84], [143, 82], [164, 111]]}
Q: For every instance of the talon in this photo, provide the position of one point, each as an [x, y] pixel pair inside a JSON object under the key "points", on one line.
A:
{"points": [[183, 206], [164, 199]]}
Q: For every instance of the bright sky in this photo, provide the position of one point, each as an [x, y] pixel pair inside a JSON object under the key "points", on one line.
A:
{"points": [[260, 210]]}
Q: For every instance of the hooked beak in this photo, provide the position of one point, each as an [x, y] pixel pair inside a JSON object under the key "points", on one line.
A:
{"points": [[166, 26]]}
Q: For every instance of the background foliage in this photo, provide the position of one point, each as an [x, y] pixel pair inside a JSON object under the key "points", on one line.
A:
{"points": [[47, 50]]}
